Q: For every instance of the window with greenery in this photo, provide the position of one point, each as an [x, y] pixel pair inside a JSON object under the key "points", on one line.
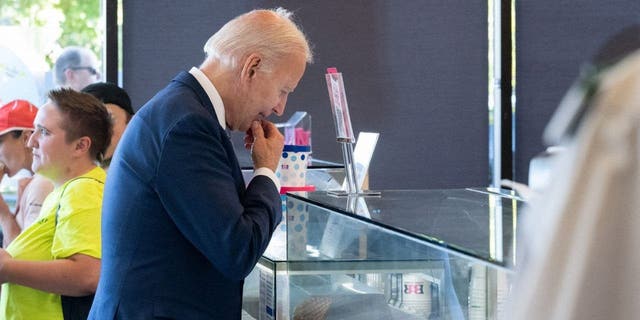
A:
{"points": [[32, 35]]}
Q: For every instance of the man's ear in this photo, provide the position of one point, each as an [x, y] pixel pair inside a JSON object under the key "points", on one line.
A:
{"points": [[83, 144], [68, 74], [250, 66]]}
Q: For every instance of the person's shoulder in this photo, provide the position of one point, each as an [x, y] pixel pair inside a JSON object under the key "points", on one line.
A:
{"points": [[93, 179], [84, 192], [23, 183], [38, 185], [40, 181], [178, 88], [173, 101]]}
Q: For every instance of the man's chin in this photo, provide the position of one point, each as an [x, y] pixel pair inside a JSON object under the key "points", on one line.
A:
{"points": [[244, 128]]}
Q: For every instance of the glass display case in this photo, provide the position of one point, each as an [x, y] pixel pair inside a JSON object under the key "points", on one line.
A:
{"points": [[410, 254]]}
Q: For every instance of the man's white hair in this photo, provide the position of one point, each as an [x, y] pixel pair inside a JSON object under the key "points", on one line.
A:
{"points": [[270, 33]]}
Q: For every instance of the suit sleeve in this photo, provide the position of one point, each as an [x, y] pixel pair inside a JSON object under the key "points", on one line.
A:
{"points": [[229, 226]]}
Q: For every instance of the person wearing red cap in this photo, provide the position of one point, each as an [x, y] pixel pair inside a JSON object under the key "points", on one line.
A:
{"points": [[16, 125]]}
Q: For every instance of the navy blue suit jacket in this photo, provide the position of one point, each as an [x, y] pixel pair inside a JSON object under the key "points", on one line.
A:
{"points": [[179, 230]]}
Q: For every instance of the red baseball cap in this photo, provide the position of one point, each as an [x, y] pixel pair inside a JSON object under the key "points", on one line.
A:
{"points": [[17, 115]]}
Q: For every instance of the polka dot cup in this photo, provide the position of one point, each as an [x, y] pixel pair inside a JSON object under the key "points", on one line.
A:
{"points": [[292, 170]]}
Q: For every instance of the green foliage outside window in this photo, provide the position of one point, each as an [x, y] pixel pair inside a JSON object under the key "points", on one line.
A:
{"points": [[79, 21]]}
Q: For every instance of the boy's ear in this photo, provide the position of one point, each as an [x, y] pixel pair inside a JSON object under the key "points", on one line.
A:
{"points": [[83, 144]]}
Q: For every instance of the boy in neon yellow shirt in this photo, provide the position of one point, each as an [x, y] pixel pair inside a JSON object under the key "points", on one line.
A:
{"points": [[59, 255]]}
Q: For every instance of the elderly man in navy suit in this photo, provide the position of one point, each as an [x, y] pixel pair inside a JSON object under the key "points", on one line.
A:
{"points": [[180, 229]]}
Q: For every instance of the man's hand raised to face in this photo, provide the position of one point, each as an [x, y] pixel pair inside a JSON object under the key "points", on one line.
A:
{"points": [[266, 144]]}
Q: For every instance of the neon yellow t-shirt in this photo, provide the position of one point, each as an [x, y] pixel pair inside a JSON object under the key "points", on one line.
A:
{"points": [[77, 231]]}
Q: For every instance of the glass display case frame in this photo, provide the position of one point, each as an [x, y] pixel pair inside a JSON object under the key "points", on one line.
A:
{"points": [[409, 254]]}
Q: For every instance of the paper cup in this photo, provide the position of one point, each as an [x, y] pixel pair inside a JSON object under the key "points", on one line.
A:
{"points": [[292, 170]]}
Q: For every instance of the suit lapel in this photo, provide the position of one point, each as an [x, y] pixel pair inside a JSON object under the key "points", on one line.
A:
{"points": [[191, 82]]}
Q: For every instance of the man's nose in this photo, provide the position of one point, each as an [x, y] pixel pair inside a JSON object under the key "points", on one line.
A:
{"points": [[279, 109]]}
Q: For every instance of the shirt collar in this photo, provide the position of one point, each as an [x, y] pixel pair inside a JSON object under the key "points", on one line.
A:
{"points": [[212, 93]]}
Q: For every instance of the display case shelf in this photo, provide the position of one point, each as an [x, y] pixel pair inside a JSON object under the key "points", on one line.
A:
{"points": [[422, 254]]}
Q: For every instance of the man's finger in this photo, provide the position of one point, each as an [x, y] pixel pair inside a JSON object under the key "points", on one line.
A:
{"points": [[256, 129], [269, 128]]}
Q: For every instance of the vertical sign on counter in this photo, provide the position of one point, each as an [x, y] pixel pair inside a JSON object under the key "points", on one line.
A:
{"points": [[344, 133], [340, 109]]}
